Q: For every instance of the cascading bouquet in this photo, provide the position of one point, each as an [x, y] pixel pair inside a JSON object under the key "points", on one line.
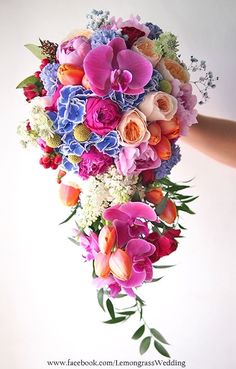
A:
{"points": [[107, 108]]}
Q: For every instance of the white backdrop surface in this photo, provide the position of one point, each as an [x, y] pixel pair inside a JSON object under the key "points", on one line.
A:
{"points": [[48, 305]]}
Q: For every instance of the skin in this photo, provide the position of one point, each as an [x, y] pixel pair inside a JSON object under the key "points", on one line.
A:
{"points": [[215, 137]]}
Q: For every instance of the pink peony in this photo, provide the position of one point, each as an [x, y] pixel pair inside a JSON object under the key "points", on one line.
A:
{"points": [[93, 163], [134, 160], [73, 51], [102, 115]]}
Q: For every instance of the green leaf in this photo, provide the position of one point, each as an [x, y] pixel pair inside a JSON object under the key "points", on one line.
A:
{"points": [[100, 296], [158, 336], [139, 332], [36, 50], [156, 279], [163, 266], [127, 312], [185, 208], [161, 349], [115, 320], [121, 295], [110, 308], [160, 207], [182, 227], [70, 216], [74, 241], [192, 199], [31, 80], [144, 345]]}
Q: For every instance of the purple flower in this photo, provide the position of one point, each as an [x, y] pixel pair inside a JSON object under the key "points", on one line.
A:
{"points": [[114, 67], [102, 37], [155, 31], [186, 113], [73, 51], [94, 163], [134, 160], [126, 219], [90, 245]]}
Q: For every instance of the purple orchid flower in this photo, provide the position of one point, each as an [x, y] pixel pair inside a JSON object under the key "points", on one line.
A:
{"points": [[113, 285], [125, 219], [139, 251], [114, 67]]}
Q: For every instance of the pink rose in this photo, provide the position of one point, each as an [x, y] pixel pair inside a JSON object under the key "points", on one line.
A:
{"points": [[102, 115], [159, 106], [73, 51], [93, 163], [134, 160], [133, 128]]}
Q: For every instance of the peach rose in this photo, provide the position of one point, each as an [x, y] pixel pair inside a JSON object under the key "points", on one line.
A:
{"points": [[133, 128], [145, 47], [171, 69], [79, 32], [159, 106]]}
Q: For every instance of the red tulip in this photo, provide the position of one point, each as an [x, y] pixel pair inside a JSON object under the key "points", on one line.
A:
{"points": [[101, 265], [170, 128], [120, 264], [107, 239], [69, 74], [148, 177], [169, 214], [154, 195], [69, 195], [163, 149]]}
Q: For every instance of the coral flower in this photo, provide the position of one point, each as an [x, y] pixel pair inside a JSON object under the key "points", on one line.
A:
{"points": [[154, 195], [171, 128], [163, 149], [155, 131], [120, 264], [101, 265], [169, 214], [69, 195], [133, 128], [70, 75], [171, 69], [114, 67], [107, 239]]}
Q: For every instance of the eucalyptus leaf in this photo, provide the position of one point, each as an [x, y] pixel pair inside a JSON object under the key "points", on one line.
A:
{"points": [[127, 312], [36, 50], [163, 266], [110, 308], [185, 208], [182, 227], [161, 349], [139, 332], [158, 336], [156, 279], [31, 80], [74, 241], [70, 216], [191, 199], [144, 345], [115, 320], [160, 207], [121, 295], [100, 296]]}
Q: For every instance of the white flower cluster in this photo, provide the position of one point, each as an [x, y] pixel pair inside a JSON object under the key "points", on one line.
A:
{"points": [[27, 137], [100, 192], [40, 122]]}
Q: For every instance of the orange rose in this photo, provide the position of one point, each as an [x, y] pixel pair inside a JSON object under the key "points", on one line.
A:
{"points": [[133, 128], [171, 69], [145, 47]]}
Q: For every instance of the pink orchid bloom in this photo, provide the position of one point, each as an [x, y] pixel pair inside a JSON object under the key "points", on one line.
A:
{"points": [[90, 245], [114, 67], [139, 251], [113, 286], [126, 220]]}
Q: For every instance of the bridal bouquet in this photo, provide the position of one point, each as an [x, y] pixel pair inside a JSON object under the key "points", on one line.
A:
{"points": [[107, 107]]}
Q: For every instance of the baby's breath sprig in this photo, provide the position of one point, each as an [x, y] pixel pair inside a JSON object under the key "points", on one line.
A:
{"points": [[97, 18], [205, 80]]}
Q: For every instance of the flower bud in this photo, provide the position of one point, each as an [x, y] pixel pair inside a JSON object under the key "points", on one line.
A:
{"points": [[169, 214], [154, 195], [69, 195], [155, 131], [107, 239], [69, 74], [163, 149], [101, 265], [121, 265]]}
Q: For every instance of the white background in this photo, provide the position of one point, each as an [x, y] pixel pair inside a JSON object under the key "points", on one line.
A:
{"points": [[48, 306]]}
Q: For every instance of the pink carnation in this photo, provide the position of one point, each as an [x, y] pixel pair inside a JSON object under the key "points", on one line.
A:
{"points": [[94, 163], [134, 160]]}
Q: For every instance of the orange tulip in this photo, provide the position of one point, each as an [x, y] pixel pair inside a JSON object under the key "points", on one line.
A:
{"points": [[154, 195], [169, 214], [69, 195], [107, 239], [155, 131], [69, 74], [120, 264], [101, 265], [163, 149], [170, 128]]}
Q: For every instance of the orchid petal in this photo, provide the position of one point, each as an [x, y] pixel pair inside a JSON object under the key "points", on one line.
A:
{"points": [[118, 44], [114, 212], [138, 247], [138, 210], [97, 65], [136, 279], [140, 68]]}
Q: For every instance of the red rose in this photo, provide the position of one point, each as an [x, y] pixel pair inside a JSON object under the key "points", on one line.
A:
{"points": [[165, 243], [133, 34], [148, 177]]}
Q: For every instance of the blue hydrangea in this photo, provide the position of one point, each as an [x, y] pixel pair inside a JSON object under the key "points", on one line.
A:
{"points": [[109, 144], [126, 102], [49, 77], [71, 108], [68, 166], [153, 84], [102, 37], [167, 165], [155, 30]]}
